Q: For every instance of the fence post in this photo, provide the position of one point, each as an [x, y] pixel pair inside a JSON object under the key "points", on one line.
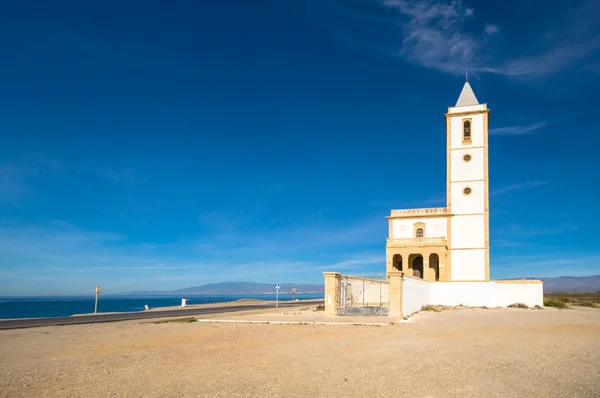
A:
{"points": [[364, 293], [395, 312], [332, 292]]}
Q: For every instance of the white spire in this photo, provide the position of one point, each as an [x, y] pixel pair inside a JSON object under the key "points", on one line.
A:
{"points": [[467, 96]]}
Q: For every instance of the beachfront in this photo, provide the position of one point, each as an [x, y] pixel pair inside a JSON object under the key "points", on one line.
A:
{"points": [[457, 352]]}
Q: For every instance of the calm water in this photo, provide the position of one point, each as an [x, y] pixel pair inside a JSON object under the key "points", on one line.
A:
{"points": [[41, 307]]}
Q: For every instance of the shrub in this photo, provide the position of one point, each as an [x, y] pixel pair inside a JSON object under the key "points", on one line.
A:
{"points": [[556, 304], [518, 305]]}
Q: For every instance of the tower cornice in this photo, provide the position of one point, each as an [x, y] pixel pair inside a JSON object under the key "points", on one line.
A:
{"points": [[467, 113]]}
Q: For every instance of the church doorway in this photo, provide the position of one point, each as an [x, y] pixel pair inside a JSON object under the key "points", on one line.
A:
{"points": [[418, 266]]}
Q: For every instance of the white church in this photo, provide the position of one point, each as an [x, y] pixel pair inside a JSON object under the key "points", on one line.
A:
{"points": [[441, 256], [452, 242]]}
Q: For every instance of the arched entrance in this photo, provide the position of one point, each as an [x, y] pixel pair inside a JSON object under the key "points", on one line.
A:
{"points": [[417, 266], [397, 262]]}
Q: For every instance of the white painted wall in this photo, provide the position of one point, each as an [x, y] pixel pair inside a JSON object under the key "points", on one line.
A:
{"points": [[467, 232], [466, 171], [416, 294], [467, 265], [434, 227], [470, 294], [456, 132], [467, 204], [530, 294]]}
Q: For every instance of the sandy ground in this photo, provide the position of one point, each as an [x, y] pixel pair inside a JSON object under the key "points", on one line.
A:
{"points": [[465, 352]]}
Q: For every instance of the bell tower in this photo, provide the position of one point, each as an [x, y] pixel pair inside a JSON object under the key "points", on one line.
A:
{"points": [[468, 188]]}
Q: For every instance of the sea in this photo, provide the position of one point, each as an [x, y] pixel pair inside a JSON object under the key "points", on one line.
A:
{"points": [[44, 307]]}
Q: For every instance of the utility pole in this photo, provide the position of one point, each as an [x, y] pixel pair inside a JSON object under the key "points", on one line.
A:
{"points": [[98, 290]]}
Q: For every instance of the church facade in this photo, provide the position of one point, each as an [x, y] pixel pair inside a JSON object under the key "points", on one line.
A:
{"points": [[441, 255], [450, 243]]}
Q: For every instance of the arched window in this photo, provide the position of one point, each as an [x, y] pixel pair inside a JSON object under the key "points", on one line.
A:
{"points": [[467, 130], [419, 232]]}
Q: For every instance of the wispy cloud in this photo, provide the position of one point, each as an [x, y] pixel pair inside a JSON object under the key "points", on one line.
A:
{"points": [[449, 37], [515, 231], [519, 130], [18, 176], [12, 184], [545, 266], [59, 257], [433, 35], [562, 45], [514, 187], [15, 176], [490, 29]]}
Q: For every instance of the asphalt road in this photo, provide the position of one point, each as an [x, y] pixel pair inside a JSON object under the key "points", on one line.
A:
{"points": [[127, 316]]}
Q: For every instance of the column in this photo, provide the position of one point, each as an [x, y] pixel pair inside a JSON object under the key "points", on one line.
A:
{"points": [[395, 312], [426, 273], [389, 261], [332, 292], [409, 269], [443, 267]]}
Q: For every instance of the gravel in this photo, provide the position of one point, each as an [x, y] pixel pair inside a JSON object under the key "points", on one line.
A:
{"points": [[466, 353]]}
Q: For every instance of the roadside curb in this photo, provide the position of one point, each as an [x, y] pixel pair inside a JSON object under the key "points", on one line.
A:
{"points": [[292, 322]]}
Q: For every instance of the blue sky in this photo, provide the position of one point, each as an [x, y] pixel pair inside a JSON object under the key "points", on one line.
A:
{"points": [[159, 145]]}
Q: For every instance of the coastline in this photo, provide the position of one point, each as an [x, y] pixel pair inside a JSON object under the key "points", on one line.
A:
{"points": [[54, 307]]}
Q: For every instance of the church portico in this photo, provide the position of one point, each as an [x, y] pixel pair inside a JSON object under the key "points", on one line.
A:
{"points": [[423, 258]]}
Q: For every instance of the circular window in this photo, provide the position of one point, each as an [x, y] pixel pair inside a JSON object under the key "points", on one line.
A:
{"points": [[467, 158], [467, 191]]}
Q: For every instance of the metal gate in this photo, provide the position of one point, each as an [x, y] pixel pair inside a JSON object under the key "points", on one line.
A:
{"points": [[364, 295]]}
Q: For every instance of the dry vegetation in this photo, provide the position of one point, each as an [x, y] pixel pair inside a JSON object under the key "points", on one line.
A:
{"points": [[566, 300], [554, 300]]}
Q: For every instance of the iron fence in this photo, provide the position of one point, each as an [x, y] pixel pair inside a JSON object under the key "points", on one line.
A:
{"points": [[364, 295]]}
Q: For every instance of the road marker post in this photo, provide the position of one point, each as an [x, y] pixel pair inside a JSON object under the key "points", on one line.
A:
{"points": [[98, 290]]}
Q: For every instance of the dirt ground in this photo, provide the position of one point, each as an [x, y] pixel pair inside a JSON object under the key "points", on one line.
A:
{"points": [[462, 352]]}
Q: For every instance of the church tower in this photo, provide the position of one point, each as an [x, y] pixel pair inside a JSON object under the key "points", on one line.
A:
{"points": [[468, 188]]}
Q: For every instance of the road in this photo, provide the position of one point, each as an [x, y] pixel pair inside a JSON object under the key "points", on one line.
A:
{"points": [[127, 316]]}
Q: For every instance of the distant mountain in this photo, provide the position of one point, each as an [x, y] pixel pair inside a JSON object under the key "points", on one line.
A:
{"points": [[571, 284], [551, 285], [249, 288]]}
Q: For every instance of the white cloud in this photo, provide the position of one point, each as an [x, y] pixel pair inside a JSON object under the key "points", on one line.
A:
{"points": [[490, 29], [519, 130], [447, 36], [559, 264], [60, 258], [434, 36], [514, 187]]}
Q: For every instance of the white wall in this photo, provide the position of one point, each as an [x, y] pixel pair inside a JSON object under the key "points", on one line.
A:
{"points": [[467, 265], [467, 232], [416, 294], [434, 227], [467, 204], [466, 171], [470, 294], [530, 294]]}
